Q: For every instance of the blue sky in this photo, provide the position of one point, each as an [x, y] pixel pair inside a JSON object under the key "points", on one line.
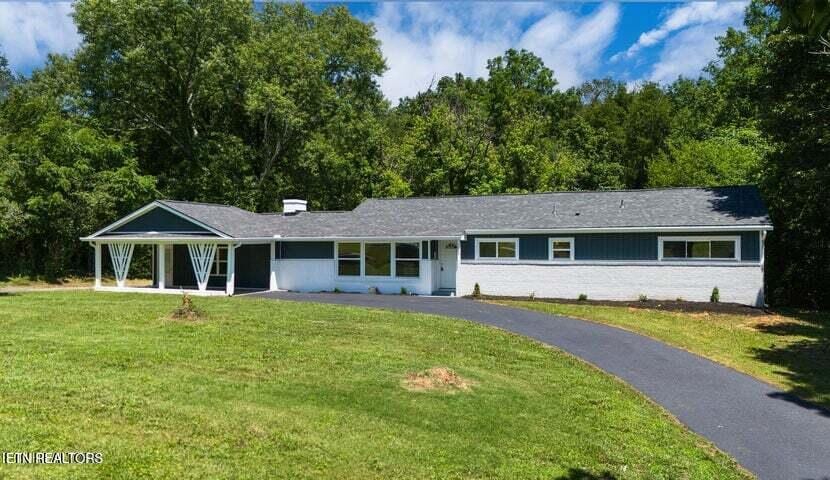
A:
{"points": [[633, 42]]}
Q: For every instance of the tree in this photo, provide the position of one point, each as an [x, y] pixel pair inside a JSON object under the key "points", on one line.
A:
{"points": [[794, 106], [647, 126], [60, 177], [313, 104], [441, 141], [732, 157], [6, 78]]}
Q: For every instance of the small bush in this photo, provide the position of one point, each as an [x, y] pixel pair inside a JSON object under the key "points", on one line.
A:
{"points": [[679, 299], [715, 298], [643, 297], [186, 311], [337, 290], [403, 291], [476, 291], [582, 297]]}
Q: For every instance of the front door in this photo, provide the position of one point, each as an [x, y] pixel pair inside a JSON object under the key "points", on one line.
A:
{"points": [[448, 262]]}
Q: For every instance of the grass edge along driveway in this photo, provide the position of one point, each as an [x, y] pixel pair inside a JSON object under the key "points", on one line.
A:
{"points": [[790, 349], [299, 390]]}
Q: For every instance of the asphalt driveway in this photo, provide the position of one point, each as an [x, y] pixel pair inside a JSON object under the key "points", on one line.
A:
{"points": [[767, 431]]}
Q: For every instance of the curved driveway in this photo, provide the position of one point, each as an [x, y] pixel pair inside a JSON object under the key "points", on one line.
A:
{"points": [[765, 430]]}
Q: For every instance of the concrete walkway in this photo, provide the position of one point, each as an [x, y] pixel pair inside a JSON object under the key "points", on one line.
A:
{"points": [[765, 430]]}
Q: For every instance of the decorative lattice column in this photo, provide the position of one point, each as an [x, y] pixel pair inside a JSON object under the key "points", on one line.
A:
{"points": [[121, 255], [202, 255]]}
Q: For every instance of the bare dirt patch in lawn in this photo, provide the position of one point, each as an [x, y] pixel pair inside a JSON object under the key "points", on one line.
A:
{"points": [[440, 379]]}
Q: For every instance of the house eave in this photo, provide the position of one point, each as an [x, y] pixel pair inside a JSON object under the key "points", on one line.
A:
{"points": [[688, 228]]}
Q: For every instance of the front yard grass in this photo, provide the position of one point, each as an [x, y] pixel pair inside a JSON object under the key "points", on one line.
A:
{"points": [[269, 389], [789, 349]]}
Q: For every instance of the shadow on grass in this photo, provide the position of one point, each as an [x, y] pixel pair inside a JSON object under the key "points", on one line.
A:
{"points": [[580, 474], [805, 361]]}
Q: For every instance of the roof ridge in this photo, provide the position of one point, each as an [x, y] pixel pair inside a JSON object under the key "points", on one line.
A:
{"points": [[561, 192], [207, 204]]}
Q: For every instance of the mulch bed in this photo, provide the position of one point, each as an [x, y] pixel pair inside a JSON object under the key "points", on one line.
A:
{"points": [[667, 305]]}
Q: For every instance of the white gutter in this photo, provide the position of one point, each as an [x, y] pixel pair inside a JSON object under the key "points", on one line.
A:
{"points": [[168, 239], [726, 228]]}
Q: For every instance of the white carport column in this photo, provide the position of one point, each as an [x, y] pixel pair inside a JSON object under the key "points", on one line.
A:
{"points": [[160, 261], [272, 284], [230, 277], [201, 256], [121, 255], [97, 264]]}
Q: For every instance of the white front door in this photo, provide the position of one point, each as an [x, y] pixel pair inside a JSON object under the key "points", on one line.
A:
{"points": [[448, 263]]}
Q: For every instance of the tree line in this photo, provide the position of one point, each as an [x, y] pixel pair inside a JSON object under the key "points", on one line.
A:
{"points": [[219, 101]]}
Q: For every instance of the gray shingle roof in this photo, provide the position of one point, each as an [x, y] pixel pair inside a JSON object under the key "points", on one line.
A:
{"points": [[738, 206]]}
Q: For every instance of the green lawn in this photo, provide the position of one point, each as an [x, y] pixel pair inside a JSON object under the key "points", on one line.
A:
{"points": [[38, 282], [266, 389], [789, 350]]}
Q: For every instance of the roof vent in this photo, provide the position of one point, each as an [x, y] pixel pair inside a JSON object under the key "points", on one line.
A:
{"points": [[293, 206], [622, 203]]}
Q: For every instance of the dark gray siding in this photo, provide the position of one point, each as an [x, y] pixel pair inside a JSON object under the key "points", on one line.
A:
{"points": [[253, 266], [305, 250], [610, 246], [750, 246], [468, 248], [615, 246], [533, 247], [160, 220]]}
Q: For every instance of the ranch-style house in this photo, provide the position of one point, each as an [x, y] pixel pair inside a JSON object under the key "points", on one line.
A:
{"points": [[662, 243]]}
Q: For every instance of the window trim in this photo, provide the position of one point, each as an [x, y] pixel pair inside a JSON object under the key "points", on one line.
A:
{"points": [[572, 249], [416, 259], [337, 259], [393, 259], [216, 262], [736, 239], [497, 258]]}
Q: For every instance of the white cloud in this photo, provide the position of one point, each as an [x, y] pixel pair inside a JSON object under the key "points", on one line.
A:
{"points": [[31, 30], [571, 46], [686, 53], [423, 42], [700, 13]]}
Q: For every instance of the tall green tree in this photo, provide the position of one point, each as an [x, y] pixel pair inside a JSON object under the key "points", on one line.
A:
{"points": [[794, 106], [442, 143], [60, 177], [313, 105]]}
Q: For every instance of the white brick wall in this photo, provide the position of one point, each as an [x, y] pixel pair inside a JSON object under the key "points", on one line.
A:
{"points": [[320, 275], [736, 283]]}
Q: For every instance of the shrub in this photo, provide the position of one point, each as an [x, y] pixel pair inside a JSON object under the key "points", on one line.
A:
{"points": [[476, 291], [337, 290], [403, 291], [532, 296], [582, 297], [715, 298], [643, 297]]}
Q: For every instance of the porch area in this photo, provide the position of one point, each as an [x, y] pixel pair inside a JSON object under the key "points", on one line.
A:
{"points": [[200, 267]]}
